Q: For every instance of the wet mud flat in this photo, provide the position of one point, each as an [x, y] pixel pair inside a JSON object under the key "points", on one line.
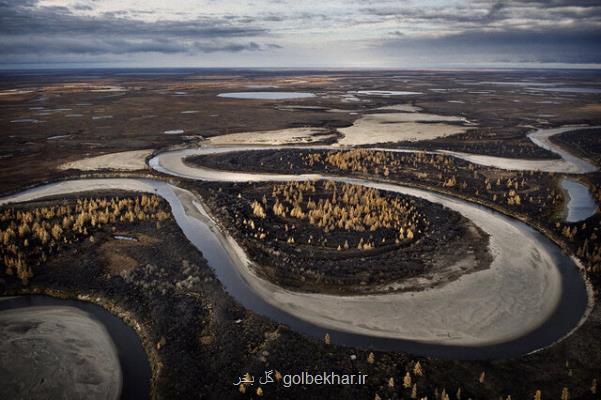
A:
{"points": [[68, 348]]}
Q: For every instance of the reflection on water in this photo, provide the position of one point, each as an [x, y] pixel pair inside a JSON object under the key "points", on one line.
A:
{"points": [[580, 204]]}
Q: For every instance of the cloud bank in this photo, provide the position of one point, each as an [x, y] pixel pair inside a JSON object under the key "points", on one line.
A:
{"points": [[290, 33]]}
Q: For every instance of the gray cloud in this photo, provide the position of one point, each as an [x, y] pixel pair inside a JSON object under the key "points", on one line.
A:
{"points": [[24, 19], [92, 46], [542, 46], [543, 31], [483, 13], [567, 31], [27, 31]]}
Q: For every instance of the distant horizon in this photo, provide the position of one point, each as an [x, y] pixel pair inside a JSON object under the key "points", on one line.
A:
{"points": [[483, 68]]}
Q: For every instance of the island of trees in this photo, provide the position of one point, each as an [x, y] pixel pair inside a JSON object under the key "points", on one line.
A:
{"points": [[372, 219], [343, 238]]}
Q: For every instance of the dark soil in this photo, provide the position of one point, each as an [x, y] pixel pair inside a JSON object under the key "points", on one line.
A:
{"points": [[584, 143], [310, 264], [507, 142], [537, 190]]}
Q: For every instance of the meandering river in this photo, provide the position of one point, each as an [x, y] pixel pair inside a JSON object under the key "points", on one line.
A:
{"points": [[531, 296]]}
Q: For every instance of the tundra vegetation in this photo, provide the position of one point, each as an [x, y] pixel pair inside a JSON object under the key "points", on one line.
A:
{"points": [[202, 331], [510, 142], [517, 189], [530, 195], [527, 193], [585, 143], [523, 192], [310, 235], [372, 220], [30, 235]]}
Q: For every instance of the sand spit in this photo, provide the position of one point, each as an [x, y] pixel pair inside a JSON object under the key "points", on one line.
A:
{"points": [[385, 93], [399, 127], [275, 137], [266, 95], [58, 137], [122, 161], [14, 92]]}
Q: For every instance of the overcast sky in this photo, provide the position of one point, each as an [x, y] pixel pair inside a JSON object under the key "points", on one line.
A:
{"points": [[299, 33]]}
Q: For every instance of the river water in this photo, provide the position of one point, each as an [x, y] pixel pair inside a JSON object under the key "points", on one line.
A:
{"points": [[580, 203]]}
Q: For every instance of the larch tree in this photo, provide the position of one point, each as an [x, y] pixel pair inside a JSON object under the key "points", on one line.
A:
{"points": [[407, 380], [417, 369]]}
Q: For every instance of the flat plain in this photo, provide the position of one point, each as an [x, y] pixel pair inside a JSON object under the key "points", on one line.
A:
{"points": [[435, 230]]}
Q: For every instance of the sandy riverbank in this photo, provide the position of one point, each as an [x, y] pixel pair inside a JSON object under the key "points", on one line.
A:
{"points": [[55, 345], [517, 294], [122, 161]]}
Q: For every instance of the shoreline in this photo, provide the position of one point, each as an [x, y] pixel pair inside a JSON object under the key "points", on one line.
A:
{"points": [[275, 293], [447, 259], [114, 309]]}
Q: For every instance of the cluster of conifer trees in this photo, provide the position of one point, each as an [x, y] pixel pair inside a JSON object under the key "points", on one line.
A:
{"points": [[514, 189], [28, 236], [330, 206]]}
